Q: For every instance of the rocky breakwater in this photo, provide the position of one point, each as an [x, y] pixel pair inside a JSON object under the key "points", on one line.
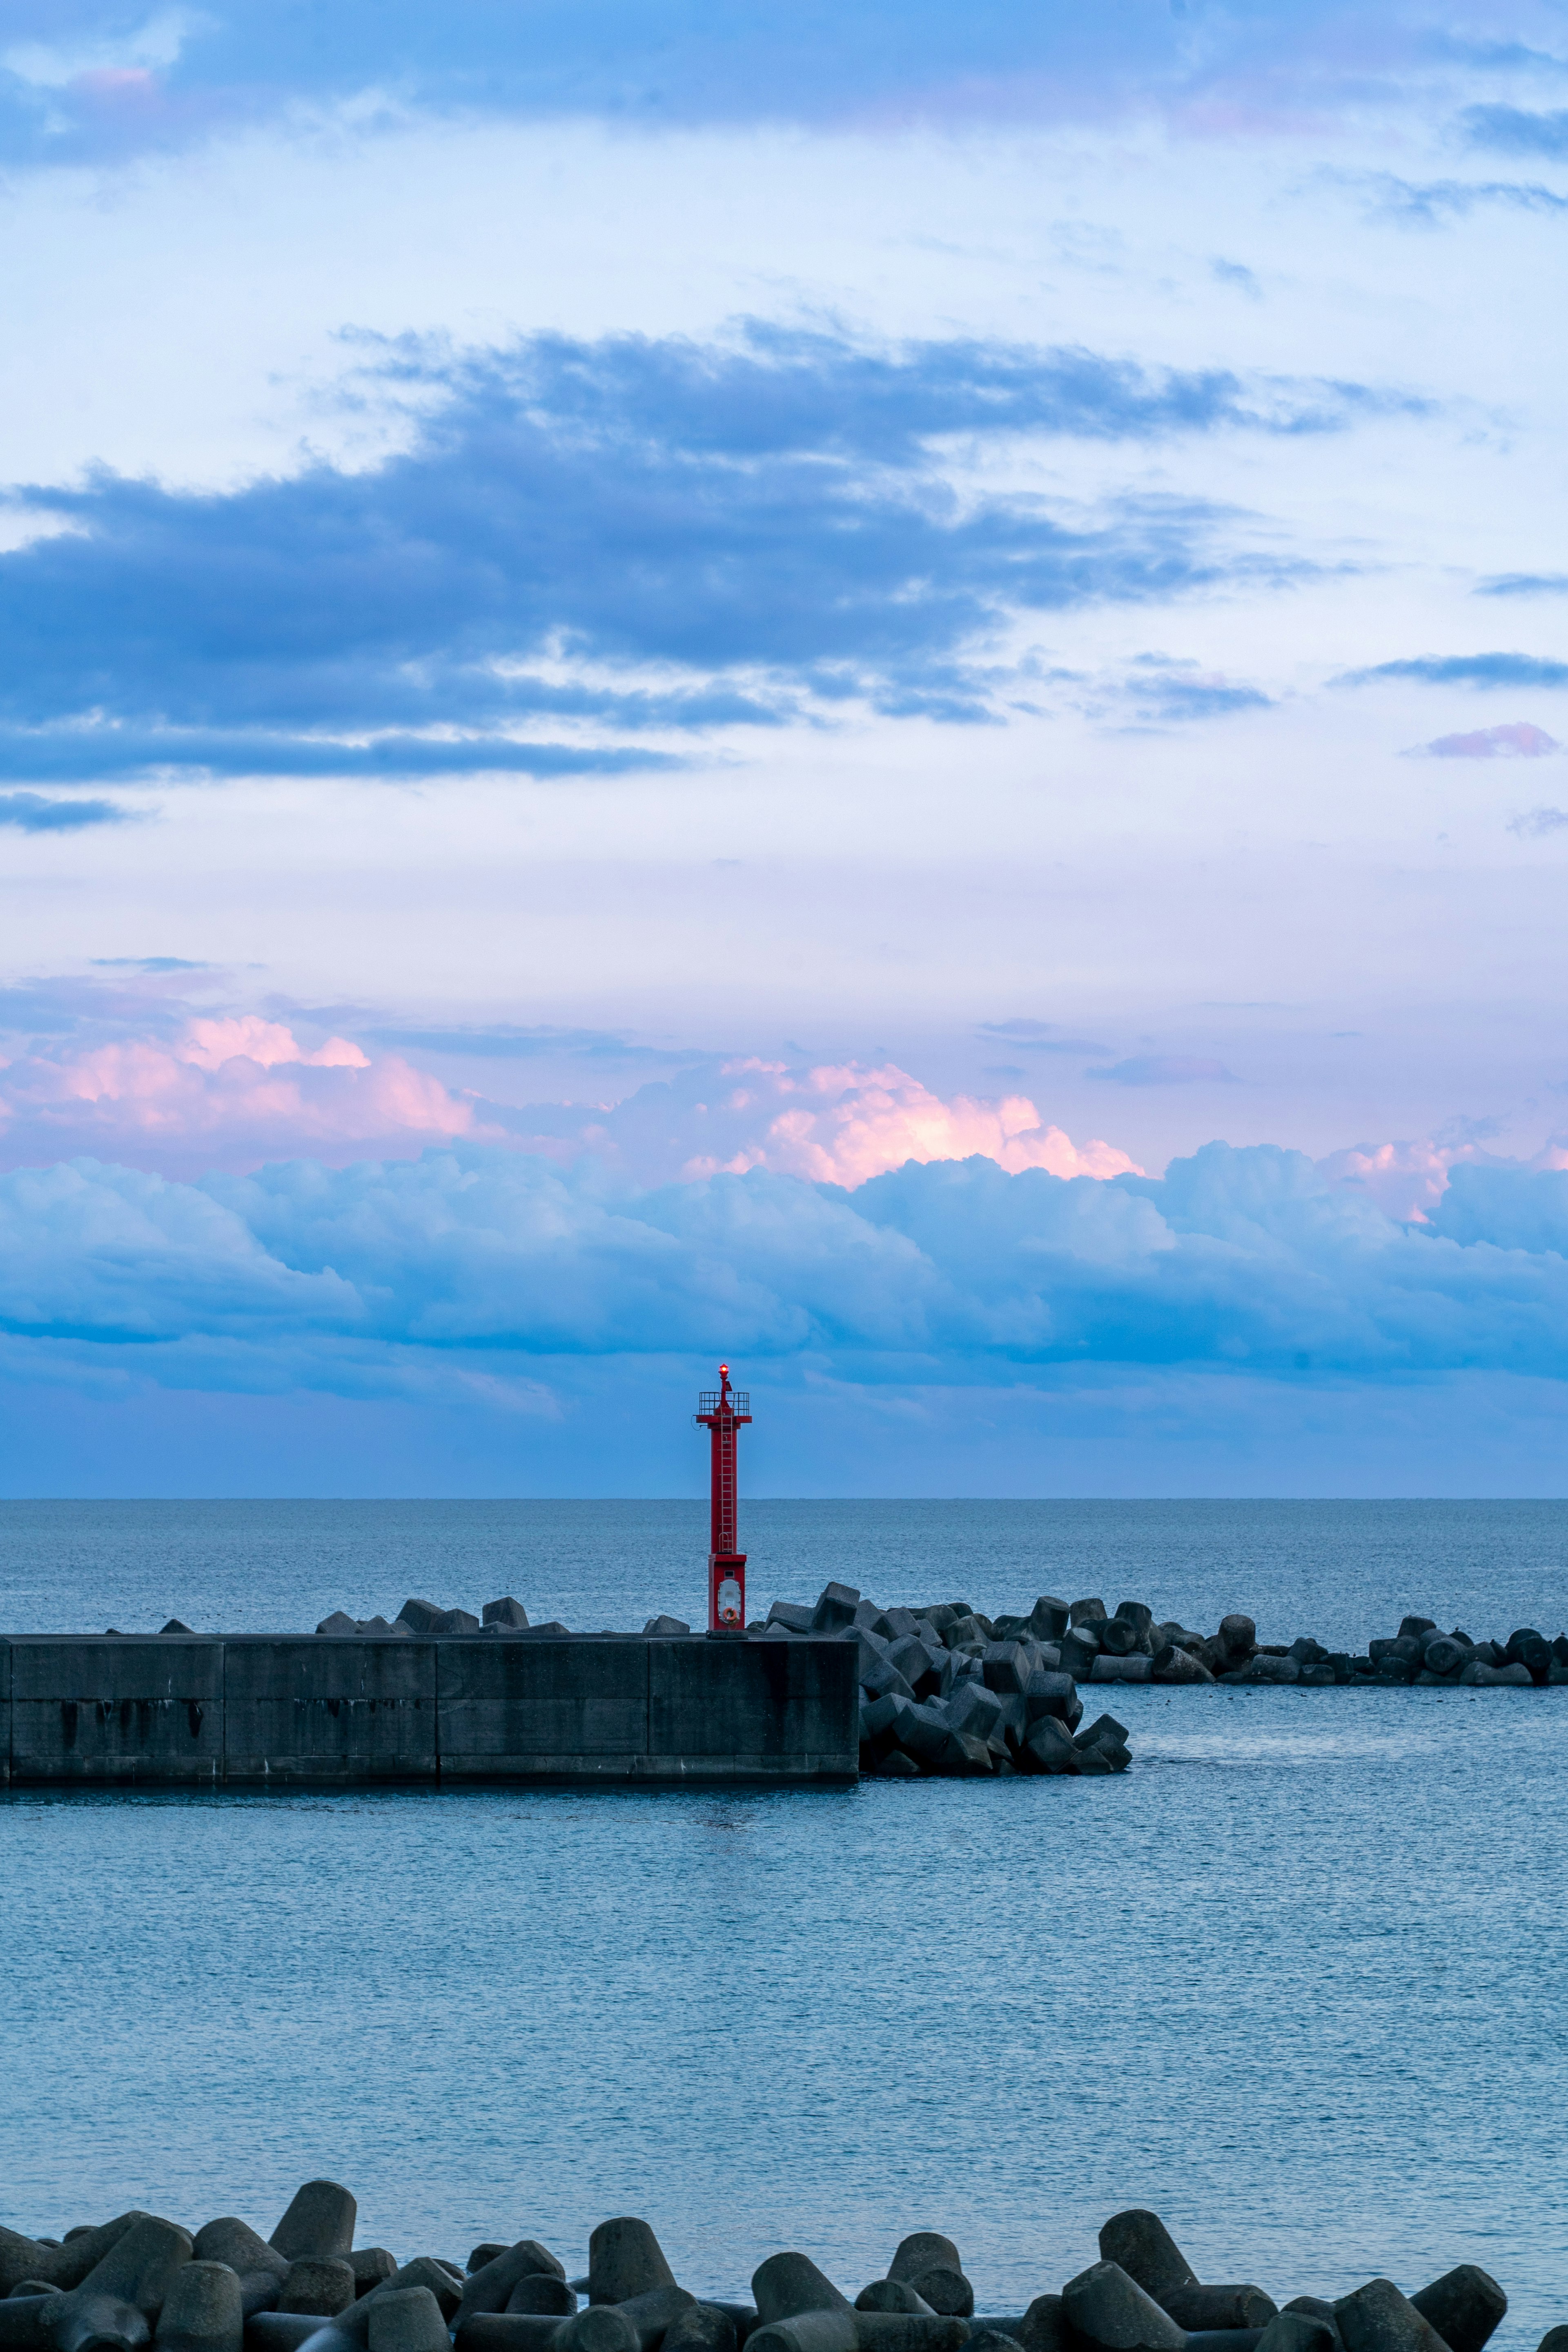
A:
{"points": [[141, 2281], [945, 1690]]}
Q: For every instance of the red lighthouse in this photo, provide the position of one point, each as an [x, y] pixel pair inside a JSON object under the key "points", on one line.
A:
{"points": [[722, 1411]]}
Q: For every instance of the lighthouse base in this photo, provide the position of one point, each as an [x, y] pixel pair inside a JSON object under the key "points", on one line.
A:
{"points": [[726, 1592]]}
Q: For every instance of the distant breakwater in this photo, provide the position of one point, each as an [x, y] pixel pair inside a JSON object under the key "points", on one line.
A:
{"points": [[142, 2281], [817, 1691]]}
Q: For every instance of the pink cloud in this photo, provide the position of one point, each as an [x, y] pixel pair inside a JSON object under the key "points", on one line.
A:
{"points": [[1404, 1179], [228, 1093], [840, 1125], [140, 1077], [1516, 740]]}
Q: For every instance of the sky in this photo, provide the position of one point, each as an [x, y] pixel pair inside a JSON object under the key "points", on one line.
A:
{"points": [[878, 691]]}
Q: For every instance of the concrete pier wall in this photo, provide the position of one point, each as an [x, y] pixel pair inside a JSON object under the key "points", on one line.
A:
{"points": [[257, 1710]]}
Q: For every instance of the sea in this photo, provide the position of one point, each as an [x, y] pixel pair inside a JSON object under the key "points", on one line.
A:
{"points": [[1298, 1981]]}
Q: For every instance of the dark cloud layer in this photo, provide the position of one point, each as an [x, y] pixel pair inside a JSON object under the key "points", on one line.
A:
{"points": [[762, 521]]}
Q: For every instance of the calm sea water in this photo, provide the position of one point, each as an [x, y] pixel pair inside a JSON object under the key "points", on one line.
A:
{"points": [[1298, 1980]]}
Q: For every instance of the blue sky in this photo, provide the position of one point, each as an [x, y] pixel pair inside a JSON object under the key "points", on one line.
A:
{"points": [[878, 690]]}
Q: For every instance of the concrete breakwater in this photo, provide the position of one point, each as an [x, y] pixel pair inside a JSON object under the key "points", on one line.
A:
{"points": [[283, 1710], [141, 2280], [946, 1689]]}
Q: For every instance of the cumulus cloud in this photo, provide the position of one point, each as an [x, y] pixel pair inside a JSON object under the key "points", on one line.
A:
{"points": [[226, 1091], [137, 1073], [845, 1125], [1536, 824], [612, 539], [1517, 740], [947, 1273]]}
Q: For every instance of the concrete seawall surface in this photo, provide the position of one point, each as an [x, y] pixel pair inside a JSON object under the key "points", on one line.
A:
{"points": [[259, 1710]]}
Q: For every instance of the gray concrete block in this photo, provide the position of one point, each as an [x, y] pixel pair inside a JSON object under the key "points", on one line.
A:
{"points": [[61, 2266], [922, 2250], [319, 2221], [667, 1626], [793, 1616], [945, 2288], [1204, 2309], [312, 1713], [908, 2331], [83, 2249], [27, 2320], [420, 1616], [1465, 2305], [891, 2295], [809, 2331], [1108, 2309], [318, 2282], [491, 2285], [407, 2320], [100, 1708], [370, 2265], [1106, 1668], [702, 2327], [231, 2240], [142, 2265], [1378, 2319], [1299, 2331], [603, 2328], [789, 2283], [505, 1612], [1044, 2326], [836, 1607], [282, 2331], [624, 2258], [84, 2320], [339, 1622], [202, 2311], [504, 2331], [652, 2314], [543, 2294]]}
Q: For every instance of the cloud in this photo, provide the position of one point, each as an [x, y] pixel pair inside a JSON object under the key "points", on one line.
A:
{"points": [[1037, 1037], [1524, 584], [1428, 203], [1516, 740], [608, 539], [222, 1091], [33, 814], [1165, 1070], [1466, 669], [142, 1075], [1248, 1262], [1536, 824], [507, 1041], [1514, 131], [88, 79], [845, 1125], [1180, 691]]}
